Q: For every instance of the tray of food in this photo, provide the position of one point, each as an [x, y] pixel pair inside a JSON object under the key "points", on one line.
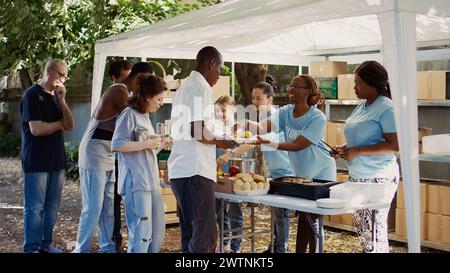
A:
{"points": [[250, 184], [303, 187], [242, 136]]}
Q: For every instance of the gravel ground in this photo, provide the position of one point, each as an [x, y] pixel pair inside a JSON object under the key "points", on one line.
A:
{"points": [[11, 221]]}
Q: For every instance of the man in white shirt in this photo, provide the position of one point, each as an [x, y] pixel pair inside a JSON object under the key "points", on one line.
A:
{"points": [[192, 162]]}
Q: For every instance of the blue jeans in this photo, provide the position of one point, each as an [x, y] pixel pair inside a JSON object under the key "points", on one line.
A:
{"points": [[41, 195], [145, 217], [281, 239], [232, 219], [97, 194]]}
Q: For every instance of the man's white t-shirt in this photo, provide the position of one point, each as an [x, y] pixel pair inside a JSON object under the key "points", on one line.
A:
{"points": [[189, 157]]}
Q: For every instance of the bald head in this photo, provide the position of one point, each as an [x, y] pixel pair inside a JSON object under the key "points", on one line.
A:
{"points": [[55, 63]]}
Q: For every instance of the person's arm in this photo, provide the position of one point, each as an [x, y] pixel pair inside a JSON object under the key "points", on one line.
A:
{"points": [[68, 120], [298, 144], [201, 133], [390, 144], [31, 114], [42, 128], [122, 137], [135, 146], [261, 128], [223, 159]]}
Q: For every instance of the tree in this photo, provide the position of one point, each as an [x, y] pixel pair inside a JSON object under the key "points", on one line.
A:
{"points": [[248, 75], [32, 31]]}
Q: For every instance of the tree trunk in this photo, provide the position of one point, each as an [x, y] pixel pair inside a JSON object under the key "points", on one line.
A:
{"points": [[248, 75], [25, 78]]}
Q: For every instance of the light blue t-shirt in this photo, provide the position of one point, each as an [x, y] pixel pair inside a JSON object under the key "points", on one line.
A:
{"points": [[366, 126], [313, 161], [277, 161]]}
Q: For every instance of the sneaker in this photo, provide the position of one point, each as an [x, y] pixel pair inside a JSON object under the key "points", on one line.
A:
{"points": [[226, 249], [51, 249], [235, 251]]}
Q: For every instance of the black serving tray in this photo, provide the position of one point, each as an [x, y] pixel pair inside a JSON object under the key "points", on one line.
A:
{"points": [[303, 190]]}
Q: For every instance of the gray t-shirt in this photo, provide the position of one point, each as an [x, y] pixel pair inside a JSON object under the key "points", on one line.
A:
{"points": [[142, 165]]}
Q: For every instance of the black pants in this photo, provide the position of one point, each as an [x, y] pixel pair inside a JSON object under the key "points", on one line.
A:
{"points": [[305, 233], [117, 235], [197, 212]]}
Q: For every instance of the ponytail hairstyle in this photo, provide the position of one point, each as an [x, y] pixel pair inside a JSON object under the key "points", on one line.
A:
{"points": [[316, 96], [375, 75], [148, 86], [268, 86]]}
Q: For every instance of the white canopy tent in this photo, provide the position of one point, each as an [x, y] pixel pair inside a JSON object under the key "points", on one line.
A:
{"points": [[286, 31]]}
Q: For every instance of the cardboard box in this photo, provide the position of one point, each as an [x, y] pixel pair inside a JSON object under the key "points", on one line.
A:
{"points": [[433, 198], [423, 196], [434, 227], [347, 219], [423, 131], [433, 85], [225, 184], [335, 133], [400, 224], [221, 88], [170, 203], [162, 164], [171, 216], [335, 219], [166, 191], [445, 229], [346, 82], [444, 200], [327, 69]]}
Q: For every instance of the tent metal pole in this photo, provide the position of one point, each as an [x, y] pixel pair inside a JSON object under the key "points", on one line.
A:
{"points": [[233, 81]]}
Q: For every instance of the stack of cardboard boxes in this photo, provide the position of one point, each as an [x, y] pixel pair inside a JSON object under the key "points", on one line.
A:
{"points": [[435, 212], [326, 75], [433, 85]]}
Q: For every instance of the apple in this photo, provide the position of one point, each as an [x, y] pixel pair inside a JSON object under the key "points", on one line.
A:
{"points": [[233, 170]]}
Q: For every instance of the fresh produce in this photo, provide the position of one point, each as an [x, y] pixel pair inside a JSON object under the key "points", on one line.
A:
{"points": [[234, 170], [220, 172]]}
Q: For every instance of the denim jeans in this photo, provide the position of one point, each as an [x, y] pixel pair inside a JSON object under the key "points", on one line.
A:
{"points": [[97, 194], [145, 217], [281, 239], [232, 219], [41, 195]]}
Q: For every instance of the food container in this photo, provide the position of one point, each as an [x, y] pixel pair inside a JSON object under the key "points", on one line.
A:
{"points": [[314, 190], [141, 134], [246, 165], [361, 193]]}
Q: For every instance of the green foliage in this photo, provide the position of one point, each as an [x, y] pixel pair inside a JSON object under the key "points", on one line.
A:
{"points": [[9, 144], [32, 31], [71, 160]]}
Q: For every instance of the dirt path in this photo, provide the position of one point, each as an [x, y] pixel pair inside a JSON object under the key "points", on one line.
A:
{"points": [[11, 220]]}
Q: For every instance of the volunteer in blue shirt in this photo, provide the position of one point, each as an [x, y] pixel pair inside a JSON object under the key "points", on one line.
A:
{"points": [[303, 126], [277, 161], [371, 145]]}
